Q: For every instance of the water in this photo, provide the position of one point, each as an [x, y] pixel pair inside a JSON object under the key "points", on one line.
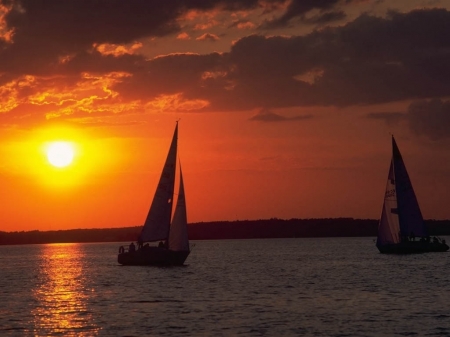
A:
{"points": [[277, 287]]}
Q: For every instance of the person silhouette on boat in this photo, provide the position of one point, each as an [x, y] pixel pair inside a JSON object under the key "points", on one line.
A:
{"points": [[132, 247], [161, 244], [412, 236]]}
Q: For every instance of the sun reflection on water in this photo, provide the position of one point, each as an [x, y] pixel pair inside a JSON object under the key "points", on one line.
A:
{"points": [[62, 293]]}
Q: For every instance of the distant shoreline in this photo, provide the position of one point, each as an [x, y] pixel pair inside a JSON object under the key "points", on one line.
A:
{"points": [[222, 230]]}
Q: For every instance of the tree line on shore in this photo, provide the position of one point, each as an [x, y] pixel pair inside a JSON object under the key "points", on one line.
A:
{"points": [[223, 230]]}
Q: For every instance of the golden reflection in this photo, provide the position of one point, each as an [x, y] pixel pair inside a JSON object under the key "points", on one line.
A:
{"points": [[62, 293]]}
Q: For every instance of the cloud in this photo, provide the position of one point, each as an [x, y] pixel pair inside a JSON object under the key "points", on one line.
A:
{"points": [[205, 26], [242, 24], [300, 8], [371, 60], [93, 123], [265, 115], [430, 118], [116, 50], [391, 118], [183, 36], [53, 28], [325, 18], [368, 61], [207, 37]]}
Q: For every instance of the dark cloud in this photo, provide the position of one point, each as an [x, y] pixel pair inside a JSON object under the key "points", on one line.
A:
{"points": [[325, 18], [430, 118], [265, 115], [171, 74], [370, 60], [391, 118], [45, 30], [300, 9], [81, 22]]}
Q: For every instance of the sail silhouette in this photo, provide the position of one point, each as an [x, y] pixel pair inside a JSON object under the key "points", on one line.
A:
{"points": [[172, 233], [401, 220]]}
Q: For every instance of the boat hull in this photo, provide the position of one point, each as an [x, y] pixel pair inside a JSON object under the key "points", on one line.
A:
{"points": [[413, 247], [153, 256]]}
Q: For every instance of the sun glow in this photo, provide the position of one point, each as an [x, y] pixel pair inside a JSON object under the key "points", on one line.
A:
{"points": [[60, 154], [88, 157]]}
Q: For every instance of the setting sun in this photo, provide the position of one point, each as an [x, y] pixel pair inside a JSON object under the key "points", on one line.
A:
{"points": [[60, 154]]}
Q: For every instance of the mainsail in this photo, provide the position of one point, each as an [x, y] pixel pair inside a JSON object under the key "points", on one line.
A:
{"points": [[157, 223], [178, 237], [400, 216], [409, 214]]}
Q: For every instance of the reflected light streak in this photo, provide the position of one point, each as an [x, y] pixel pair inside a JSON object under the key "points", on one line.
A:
{"points": [[62, 293]]}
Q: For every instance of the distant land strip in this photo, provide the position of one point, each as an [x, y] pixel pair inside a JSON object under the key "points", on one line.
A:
{"points": [[223, 230]]}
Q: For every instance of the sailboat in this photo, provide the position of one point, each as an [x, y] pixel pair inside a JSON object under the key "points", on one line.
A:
{"points": [[401, 229], [160, 226]]}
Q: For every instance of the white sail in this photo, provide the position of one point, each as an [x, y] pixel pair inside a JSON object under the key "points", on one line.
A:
{"points": [[178, 237], [388, 227], [157, 223]]}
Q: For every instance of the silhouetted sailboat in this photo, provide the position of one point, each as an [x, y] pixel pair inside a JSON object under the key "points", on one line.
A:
{"points": [[401, 229], [173, 248]]}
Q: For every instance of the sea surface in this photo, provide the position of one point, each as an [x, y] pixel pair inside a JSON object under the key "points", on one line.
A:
{"points": [[272, 287]]}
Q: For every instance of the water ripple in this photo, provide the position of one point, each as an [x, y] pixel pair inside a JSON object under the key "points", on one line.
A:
{"points": [[286, 287]]}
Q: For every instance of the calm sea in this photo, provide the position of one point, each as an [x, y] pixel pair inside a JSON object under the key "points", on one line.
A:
{"points": [[276, 287]]}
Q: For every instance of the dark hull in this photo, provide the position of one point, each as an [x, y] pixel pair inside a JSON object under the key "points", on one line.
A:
{"points": [[153, 256], [413, 247]]}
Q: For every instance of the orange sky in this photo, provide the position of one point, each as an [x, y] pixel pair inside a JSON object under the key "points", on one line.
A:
{"points": [[286, 107]]}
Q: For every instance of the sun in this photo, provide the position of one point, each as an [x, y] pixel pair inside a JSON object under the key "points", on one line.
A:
{"points": [[60, 154]]}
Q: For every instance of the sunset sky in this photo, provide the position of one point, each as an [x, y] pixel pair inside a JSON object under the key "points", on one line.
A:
{"points": [[286, 107]]}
